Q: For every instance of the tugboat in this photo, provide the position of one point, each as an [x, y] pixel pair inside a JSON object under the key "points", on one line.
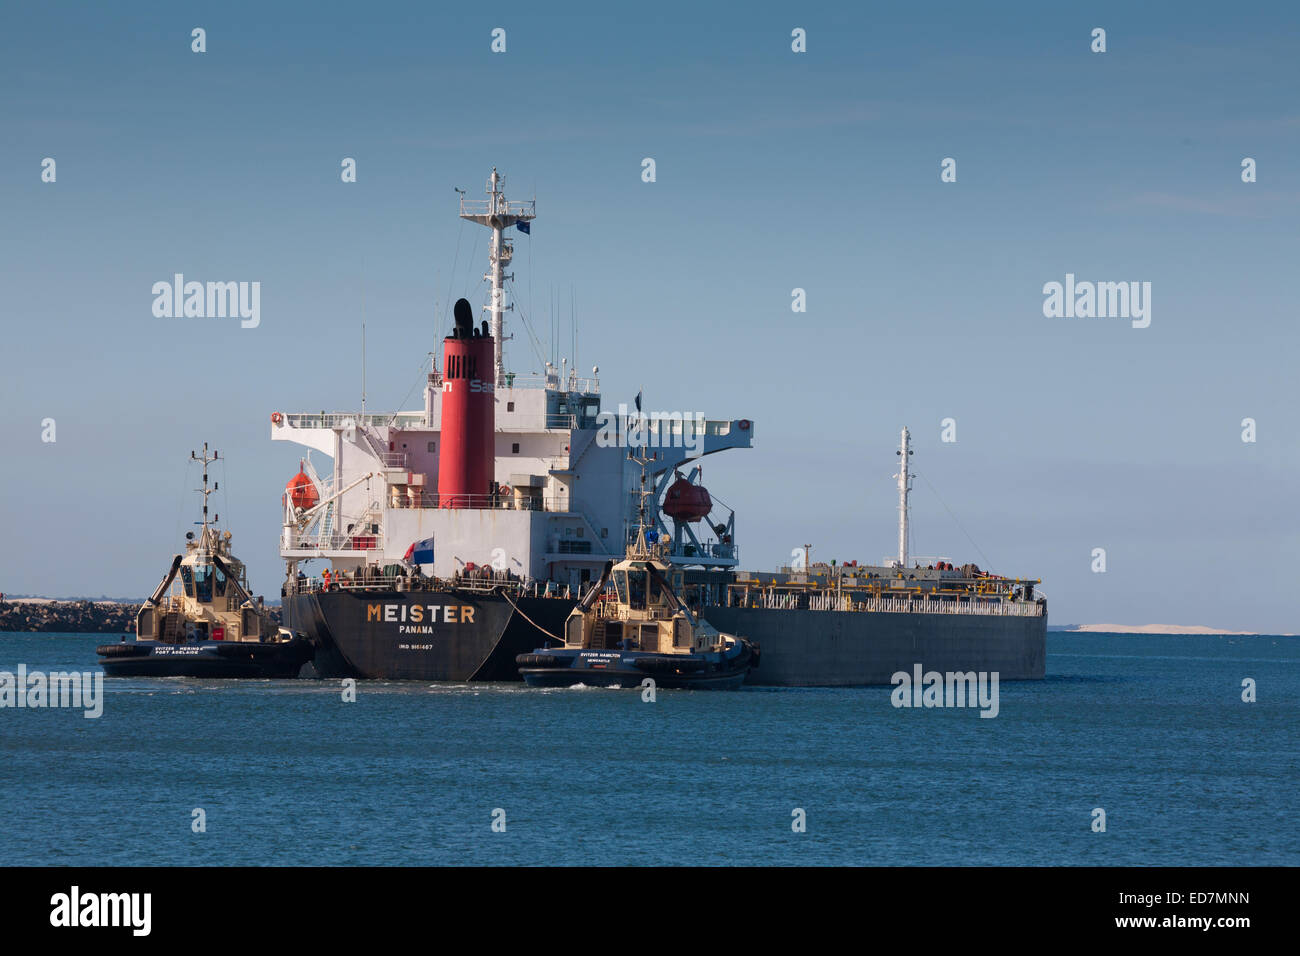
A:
{"points": [[211, 626], [646, 631]]}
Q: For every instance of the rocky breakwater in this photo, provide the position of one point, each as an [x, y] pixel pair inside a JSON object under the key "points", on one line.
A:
{"points": [[75, 617]]}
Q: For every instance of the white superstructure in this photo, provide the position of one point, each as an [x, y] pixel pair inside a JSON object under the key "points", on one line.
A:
{"points": [[564, 479]]}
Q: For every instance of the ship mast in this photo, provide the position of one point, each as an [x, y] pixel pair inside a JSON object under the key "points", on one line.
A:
{"points": [[904, 487], [498, 215]]}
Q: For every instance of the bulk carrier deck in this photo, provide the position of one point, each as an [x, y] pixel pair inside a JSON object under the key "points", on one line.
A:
{"points": [[846, 625], [839, 627]]}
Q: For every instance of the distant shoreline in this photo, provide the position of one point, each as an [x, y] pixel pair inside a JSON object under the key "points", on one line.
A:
{"points": [[42, 600], [1167, 630]]}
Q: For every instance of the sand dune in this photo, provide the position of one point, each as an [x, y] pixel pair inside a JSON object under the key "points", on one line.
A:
{"points": [[1153, 629]]}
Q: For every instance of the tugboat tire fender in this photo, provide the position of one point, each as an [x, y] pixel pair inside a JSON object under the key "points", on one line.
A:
{"points": [[117, 650], [537, 660]]}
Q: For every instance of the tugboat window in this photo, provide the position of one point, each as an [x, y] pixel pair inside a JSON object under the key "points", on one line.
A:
{"points": [[203, 583], [664, 594], [221, 583], [620, 585], [187, 578], [636, 590]]}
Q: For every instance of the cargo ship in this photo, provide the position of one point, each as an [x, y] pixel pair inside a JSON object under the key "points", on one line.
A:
{"points": [[453, 535]]}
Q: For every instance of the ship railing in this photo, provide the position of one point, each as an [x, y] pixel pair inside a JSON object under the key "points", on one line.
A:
{"points": [[611, 610], [344, 419], [483, 502], [913, 606], [840, 601], [554, 381], [512, 207], [298, 541], [369, 579], [926, 562], [708, 549]]}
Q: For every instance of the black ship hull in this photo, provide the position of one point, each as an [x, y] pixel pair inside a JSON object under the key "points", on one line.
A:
{"points": [[205, 659], [804, 648], [451, 635]]}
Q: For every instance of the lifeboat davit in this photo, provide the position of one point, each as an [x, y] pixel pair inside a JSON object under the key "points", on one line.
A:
{"points": [[687, 502], [302, 491]]}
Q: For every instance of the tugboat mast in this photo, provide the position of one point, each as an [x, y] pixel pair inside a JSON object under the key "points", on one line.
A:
{"points": [[498, 215], [642, 546], [904, 487], [205, 490]]}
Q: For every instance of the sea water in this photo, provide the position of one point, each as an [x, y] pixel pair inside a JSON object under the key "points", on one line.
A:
{"points": [[1151, 730]]}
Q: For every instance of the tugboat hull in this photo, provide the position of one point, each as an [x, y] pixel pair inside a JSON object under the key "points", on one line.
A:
{"points": [[628, 669], [205, 659]]}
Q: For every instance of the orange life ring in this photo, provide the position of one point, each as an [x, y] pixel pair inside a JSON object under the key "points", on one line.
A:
{"points": [[276, 418], [504, 489]]}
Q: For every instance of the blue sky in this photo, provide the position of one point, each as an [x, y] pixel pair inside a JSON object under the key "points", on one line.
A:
{"points": [[775, 170]]}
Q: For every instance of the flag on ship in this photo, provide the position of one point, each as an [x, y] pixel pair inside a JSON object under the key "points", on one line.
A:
{"points": [[523, 226], [420, 552]]}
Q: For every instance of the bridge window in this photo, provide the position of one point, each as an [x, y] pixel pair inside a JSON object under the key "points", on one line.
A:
{"points": [[636, 589], [203, 583]]}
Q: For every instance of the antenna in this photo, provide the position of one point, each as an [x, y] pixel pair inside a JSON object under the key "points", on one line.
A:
{"points": [[643, 459], [363, 337], [642, 546], [498, 215], [205, 490], [904, 488]]}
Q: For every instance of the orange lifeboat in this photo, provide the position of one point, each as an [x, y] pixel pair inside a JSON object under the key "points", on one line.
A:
{"points": [[302, 491], [687, 502]]}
